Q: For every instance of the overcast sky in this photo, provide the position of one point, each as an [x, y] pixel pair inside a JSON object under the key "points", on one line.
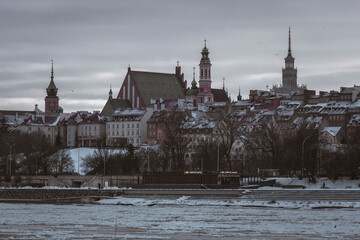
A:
{"points": [[93, 42]]}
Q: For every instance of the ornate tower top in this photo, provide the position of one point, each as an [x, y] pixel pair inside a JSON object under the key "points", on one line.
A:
{"points": [[205, 55], [289, 60], [52, 89]]}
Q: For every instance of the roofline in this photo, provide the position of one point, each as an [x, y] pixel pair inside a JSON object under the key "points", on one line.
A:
{"points": [[153, 72]]}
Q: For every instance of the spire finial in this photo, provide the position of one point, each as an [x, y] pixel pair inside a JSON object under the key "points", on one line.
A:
{"points": [[177, 63], [110, 93], [223, 83], [52, 69], [205, 42], [194, 73], [289, 40]]}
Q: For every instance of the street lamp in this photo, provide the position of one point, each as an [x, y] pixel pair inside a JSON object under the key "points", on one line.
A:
{"points": [[10, 146], [147, 156], [302, 156], [218, 160]]}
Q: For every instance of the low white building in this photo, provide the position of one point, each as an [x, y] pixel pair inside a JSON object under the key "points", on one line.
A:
{"points": [[127, 127]]}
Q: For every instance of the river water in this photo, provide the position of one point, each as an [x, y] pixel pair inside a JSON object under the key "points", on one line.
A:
{"points": [[181, 218]]}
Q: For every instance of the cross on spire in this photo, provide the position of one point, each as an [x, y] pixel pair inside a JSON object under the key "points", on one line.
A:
{"points": [[205, 42]]}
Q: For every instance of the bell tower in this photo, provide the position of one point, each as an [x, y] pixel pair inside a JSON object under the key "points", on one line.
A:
{"points": [[289, 73], [52, 100], [205, 94]]}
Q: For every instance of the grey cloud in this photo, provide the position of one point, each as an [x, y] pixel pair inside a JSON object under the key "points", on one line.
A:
{"points": [[92, 43]]}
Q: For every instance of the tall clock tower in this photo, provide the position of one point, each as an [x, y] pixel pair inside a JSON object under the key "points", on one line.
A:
{"points": [[52, 100], [289, 73]]}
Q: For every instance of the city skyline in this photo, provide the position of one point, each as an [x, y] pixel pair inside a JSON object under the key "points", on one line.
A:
{"points": [[93, 44]]}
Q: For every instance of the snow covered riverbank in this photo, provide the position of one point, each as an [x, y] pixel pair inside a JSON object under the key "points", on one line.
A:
{"points": [[181, 218], [191, 201]]}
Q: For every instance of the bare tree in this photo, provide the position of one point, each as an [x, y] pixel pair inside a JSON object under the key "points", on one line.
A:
{"points": [[61, 162], [174, 144]]}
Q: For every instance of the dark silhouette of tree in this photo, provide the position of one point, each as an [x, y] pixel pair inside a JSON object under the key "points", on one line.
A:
{"points": [[61, 163], [173, 143]]}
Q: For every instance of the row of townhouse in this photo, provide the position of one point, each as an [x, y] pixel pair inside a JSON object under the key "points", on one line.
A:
{"points": [[32, 122], [127, 126]]}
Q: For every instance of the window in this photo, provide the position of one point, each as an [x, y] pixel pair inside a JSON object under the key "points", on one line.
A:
{"points": [[132, 133], [117, 125], [128, 125], [132, 125], [149, 125], [150, 133]]}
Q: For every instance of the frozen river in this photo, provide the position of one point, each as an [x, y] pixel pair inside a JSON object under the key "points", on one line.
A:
{"points": [[182, 218]]}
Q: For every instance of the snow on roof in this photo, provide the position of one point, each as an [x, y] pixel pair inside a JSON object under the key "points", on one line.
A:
{"points": [[198, 114], [38, 120], [199, 124], [334, 103], [332, 130], [216, 104], [243, 103], [355, 120], [284, 114], [129, 112], [355, 104], [310, 122], [295, 103]]}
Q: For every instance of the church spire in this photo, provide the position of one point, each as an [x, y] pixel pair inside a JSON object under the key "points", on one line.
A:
{"points": [[52, 89], [193, 83], [110, 93], [239, 97], [52, 100], [289, 41], [52, 70]]}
